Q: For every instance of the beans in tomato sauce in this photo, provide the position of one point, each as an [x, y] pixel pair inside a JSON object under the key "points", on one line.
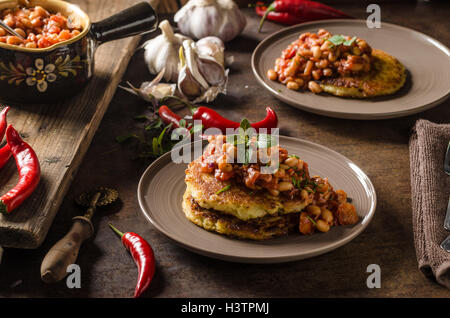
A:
{"points": [[326, 207], [314, 56], [38, 27]]}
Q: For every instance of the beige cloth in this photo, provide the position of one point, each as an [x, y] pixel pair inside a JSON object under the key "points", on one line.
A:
{"points": [[430, 189]]}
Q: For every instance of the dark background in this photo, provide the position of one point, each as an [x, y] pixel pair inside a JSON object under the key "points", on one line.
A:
{"points": [[380, 148]]}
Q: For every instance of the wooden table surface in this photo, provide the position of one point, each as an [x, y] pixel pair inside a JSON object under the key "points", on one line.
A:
{"points": [[380, 148]]}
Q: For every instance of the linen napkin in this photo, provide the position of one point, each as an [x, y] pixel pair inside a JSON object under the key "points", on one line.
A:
{"points": [[430, 189]]}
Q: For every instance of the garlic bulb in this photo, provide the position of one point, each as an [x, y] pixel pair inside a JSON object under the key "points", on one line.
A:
{"points": [[162, 52], [202, 18], [201, 77]]}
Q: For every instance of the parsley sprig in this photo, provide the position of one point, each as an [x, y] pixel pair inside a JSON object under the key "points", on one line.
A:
{"points": [[151, 137], [243, 139]]}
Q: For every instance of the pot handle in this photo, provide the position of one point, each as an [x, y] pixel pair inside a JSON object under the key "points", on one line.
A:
{"points": [[138, 19]]}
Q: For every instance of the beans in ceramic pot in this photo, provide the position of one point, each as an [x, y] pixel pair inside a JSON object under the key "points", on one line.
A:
{"points": [[38, 27]]}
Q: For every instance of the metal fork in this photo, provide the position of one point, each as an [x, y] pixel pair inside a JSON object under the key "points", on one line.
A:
{"points": [[10, 30], [447, 160], [445, 245]]}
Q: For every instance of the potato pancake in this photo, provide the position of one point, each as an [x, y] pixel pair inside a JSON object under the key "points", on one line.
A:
{"points": [[386, 77], [340, 65], [257, 229], [244, 201], [238, 200]]}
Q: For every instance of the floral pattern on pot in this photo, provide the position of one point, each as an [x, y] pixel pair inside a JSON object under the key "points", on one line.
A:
{"points": [[41, 74]]}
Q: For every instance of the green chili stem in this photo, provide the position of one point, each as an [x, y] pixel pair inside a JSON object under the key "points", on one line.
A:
{"points": [[268, 10], [116, 230]]}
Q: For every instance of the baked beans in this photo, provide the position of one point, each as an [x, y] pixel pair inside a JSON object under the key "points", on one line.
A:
{"points": [[314, 56], [325, 207], [37, 26]]}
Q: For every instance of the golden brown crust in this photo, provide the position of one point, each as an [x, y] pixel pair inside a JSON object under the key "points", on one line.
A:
{"points": [[238, 200], [256, 229], [387, 76]]}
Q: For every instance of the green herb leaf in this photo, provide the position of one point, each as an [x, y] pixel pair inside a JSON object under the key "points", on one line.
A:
{"points": [[174, 102], [182, 123], [312, 221], [340, 39], [350, 42], [336, 39], [248, 155], [196, 128], [245, 124], [155, 146], [309, 190], [141, 118], [296, 182], [154, 125], [123, 138], [266, 141], [225, 188], [294, 156]]}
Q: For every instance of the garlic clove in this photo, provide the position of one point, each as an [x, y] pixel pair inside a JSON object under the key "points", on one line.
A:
{"points": [[213, 72], [202, 78], [211, 46], [188, 85], [191, 62], [211, 93], [148, 92], [159, 91], [152, 90]]}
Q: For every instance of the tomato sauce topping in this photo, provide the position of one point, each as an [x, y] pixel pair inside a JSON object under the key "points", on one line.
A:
{"points": [[38, 27]]}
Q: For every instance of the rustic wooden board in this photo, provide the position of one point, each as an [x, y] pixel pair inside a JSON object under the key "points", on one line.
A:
{"points": [[61, 133]]}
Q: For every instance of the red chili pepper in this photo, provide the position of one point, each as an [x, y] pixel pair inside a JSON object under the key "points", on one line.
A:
{"points": [[211, 119], [292, 12], [29, 172], [280, 17], [143, 256], [169, 117], [5, 151], [5, 154], [3, 123]]}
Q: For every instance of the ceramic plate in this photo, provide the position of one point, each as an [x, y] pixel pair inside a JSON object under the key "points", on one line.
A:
{"points": [[162, 186], [427, 62]]}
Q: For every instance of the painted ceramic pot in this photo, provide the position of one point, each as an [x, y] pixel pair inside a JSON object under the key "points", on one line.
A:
{"points": [[49, 74]]}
